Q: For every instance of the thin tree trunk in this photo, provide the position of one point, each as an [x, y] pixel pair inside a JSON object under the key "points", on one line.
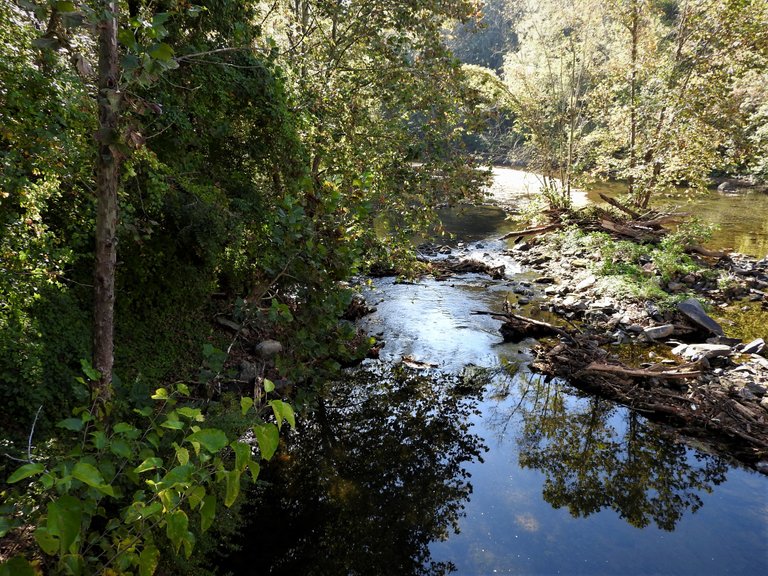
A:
{"points": [[634, 31], [107, 177]]}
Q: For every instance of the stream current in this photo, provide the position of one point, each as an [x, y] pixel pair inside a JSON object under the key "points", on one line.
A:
{"points": [[447, 455]]}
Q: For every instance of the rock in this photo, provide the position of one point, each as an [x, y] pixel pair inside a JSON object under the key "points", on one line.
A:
{"points": [[675, 286], [588, 282], [444, 250], [580, 262], [754, 347], [248, 371], [226, 323], [653, 311], [656, 332], [693, 352], [724, 340], [268, 348], [693, 310], [635, 328], [545, 280], [764, 402]]}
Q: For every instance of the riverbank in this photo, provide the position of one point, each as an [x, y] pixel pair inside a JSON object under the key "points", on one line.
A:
{"points": [[657, 351]]}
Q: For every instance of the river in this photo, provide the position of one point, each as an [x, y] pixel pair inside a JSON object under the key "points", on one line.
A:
{"points": [[459, 460]]}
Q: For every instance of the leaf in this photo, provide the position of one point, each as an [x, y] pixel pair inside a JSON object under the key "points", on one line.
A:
{"points": [[65, 6], [283, 411], [17, 566], [148, 560], [178, 475], [162, 52], [123, 428], [207, 512], [212, 439], [74, 424], [191, 413], [245, 404], [255, 469], [242, 455], [233, 487], [181, 388], [195, 496], [25, 472], [176, 527], [90, 372], [269, 386], [89, 474], [148, 464], [160, 394], [47, 541], [64, 520], [120, 447], [173, 423], [268, 437], [182, 455]]}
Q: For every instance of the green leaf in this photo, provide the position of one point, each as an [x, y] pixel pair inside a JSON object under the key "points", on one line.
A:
{"points": [[268, 437], [233, 487], [88, 474], [242, 455], [17, 566], [207, 512], [162, 52], [173, 423], [269, 386], [149, 464], [212, 439], [120, 447], [176, 527], [123, 428], [255, 469], [182, 389], [74, 424], [65, 6], [245, 404], [178, 475], [47, 541], [182, 455], [160, 394], [5, 526], [90, 372], [191, 413], [195, 496], [148, 560], [64, 519], [283, 411], [99, 439], [25, 472]]}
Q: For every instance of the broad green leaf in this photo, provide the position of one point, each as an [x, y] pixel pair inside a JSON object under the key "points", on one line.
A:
{"points": [[99, 439], [176, 527], [173, 424], [160, 394], [25, 472], [124, 428], [191, 413], [17, 566], [5, 526], [254, 468], [91, 373], [233, 487], [207, 512], [212, 439], [182, 388], [64, 520], [269, 386], [47, 541], [88, 474], [283, 411], [245, 404], [148, 560], [242, 455], [74, 424], [65, 6], [195, 496], [179, 474], [120, 447], [182, 455], [162, 52], [268, 437], [148, 464]]}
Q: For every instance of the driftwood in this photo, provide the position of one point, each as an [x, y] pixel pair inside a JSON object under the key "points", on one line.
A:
{"points": [[443, 268], [516, 328], [534, 230], [635, 232], [706, 252], [620, 370], [620, 206]]}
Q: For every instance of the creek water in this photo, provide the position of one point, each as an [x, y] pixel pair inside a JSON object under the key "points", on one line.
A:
{"points": [[458, 459]]}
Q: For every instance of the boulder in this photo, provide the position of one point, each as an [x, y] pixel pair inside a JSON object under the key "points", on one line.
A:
{"points": [[656, 332], [754, 347], [693, 310], [693, 352], [268, 348]]}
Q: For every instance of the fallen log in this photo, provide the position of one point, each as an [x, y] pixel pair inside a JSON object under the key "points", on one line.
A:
{"points": [[534, 230], [620, 206], [541, 328], [706, 252], [619, 370]]}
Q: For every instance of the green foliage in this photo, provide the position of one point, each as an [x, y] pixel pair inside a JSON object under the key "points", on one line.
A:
{"points": [[115, 494]]}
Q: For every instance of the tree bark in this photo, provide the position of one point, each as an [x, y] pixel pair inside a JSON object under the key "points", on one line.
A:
{"points": [[107, 178]]}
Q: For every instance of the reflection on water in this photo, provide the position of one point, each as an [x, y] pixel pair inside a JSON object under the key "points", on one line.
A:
{"points": [[376, 473], [591, 464]]}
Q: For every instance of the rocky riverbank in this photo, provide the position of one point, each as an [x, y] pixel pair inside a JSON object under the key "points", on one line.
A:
{"points": [[665, 356]]}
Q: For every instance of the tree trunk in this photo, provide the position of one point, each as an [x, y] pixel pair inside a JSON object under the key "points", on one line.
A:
{"points": [[107, 177]]}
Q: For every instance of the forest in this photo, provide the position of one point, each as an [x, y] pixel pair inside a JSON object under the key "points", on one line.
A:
{"points": [[190, 192]]}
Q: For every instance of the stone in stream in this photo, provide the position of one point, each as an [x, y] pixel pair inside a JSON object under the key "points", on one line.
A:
{"points": [[694, 311], [588, 282], [754, 347], [656, 332], [694, 352]]}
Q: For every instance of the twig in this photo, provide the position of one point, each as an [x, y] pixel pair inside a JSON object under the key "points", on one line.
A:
{"points": [[32, 433]]}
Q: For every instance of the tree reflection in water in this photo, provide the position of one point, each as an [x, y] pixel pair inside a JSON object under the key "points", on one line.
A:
{"points": [[596, 455], [375, 475]]}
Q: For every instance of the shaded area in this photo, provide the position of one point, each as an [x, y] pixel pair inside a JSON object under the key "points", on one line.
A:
{"points": [[374, 475]]}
